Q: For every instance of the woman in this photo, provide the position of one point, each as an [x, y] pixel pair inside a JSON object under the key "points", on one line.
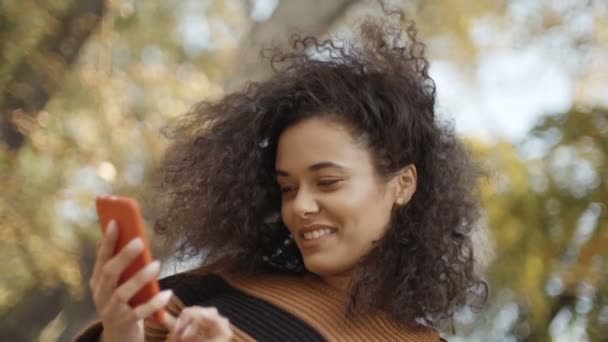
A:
{"points": [[329, 201]]}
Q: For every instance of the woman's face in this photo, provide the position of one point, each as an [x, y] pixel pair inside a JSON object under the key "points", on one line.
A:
{"points": [[332, 200]]}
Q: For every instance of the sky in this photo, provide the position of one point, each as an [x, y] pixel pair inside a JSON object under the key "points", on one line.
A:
{"points": [[509, 92], [520, 77]]}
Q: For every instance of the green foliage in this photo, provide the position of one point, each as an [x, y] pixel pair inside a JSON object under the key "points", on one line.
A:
{"points": [[545, 198], [546, 210]]}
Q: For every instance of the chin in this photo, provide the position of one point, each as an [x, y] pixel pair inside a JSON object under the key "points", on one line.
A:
{"points": [[322, 267]]}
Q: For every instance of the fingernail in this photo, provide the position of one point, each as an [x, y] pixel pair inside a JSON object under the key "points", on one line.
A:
{"points": [[153, 267], [166, 296], [111, 228], [168, 320], [136, 244]]}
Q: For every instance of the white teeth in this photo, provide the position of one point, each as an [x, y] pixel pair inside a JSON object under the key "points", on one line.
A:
{"points": [[317, 234]]}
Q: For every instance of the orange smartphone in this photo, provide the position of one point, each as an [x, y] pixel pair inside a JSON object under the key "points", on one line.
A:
{"points": [[125, 212]]}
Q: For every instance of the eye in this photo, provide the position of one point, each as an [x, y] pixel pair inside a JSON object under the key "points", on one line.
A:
{"points": [[328, 182], [286, 189]]}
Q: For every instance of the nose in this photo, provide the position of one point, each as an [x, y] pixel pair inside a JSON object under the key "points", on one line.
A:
{"points": [[305, 203]]}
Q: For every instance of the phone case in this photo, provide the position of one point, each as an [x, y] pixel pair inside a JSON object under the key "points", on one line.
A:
{"points": [[125, 211]]}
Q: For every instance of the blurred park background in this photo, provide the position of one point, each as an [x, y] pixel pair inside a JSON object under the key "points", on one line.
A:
{"points": [[86, 86]]}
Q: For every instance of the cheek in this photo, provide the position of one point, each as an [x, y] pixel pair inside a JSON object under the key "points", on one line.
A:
{"points": [[285, 216], [364, 211], [289, 218]]}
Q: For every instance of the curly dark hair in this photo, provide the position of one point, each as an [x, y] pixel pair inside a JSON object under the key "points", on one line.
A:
{"points": [[222, 198]]}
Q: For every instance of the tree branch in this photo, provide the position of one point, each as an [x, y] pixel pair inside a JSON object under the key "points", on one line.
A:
{"points": [[312, 17], [39, 74]]}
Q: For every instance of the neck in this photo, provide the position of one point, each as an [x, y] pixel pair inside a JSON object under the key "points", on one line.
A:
{"points": [[340, 281]]}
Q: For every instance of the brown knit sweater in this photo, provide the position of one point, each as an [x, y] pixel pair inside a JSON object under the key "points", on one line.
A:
{"points": [[277, 308]]}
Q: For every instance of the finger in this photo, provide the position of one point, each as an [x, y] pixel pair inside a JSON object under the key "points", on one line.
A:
{"points": [[108, 243], [127, 290], [226, 330], [118, 313], [224, 324], [111, 271], [157, 303], [223, 333], [215, 327], [183, 320], [105, 249], [207, 322], [100, 259], [189, 332], [168, 320]]}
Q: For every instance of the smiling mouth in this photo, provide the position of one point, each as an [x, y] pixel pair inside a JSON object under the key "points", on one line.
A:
{"points": [[317, 234]]}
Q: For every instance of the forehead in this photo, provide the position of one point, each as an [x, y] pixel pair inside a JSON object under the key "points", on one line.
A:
{"points": [[318, 139]]}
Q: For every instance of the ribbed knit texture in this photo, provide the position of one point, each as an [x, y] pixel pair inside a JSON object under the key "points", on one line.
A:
{"points": [[324, 308], [277, 308], [155, 332], [256, 319]]}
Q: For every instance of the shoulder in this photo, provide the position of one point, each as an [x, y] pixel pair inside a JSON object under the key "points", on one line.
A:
{"points": [[195, 287], [244, 309]]}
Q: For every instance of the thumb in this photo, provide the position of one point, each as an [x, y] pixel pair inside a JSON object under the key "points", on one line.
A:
{"points": [[168, 320]]}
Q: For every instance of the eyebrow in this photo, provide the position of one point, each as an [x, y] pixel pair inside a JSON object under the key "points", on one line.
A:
{"points": [[314, 167]]}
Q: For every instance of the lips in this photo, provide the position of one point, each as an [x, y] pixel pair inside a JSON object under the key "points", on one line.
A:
{"points": [[317, 233], [313, 235]]}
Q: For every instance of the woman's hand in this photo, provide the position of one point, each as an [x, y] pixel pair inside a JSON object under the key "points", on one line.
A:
{"points": [[120, 321], [199, 324]]}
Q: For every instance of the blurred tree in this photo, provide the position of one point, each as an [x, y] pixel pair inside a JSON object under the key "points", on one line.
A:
{"points": [[39, 72], [151, 60], [97, 134], [313, 18], [546, 209]]}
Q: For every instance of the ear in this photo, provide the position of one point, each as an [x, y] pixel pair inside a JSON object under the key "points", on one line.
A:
{"points": [[405, 182]]}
